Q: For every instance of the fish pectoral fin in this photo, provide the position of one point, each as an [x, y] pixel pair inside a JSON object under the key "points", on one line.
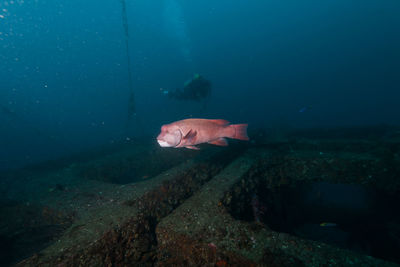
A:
{"points": [[219, 142], [190, 135], [193, 147]]}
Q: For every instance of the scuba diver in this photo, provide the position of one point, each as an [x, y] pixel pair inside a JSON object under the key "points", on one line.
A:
{"points": [[195, 89]]}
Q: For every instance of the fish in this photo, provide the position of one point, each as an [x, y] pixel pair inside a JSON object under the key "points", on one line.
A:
{"points": [[304, 109], [327, 224], [190, 132]]}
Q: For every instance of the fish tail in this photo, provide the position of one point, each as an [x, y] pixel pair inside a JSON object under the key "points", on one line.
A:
{"points": [[239, 131]]}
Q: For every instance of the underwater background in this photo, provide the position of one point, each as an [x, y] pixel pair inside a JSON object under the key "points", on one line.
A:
{"points": [[85, 87], [64, 75]]}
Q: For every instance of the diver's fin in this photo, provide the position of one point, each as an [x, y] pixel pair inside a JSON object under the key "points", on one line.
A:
{"points": [[220, 122], [219, 142], [190, 135], [193, 147]]}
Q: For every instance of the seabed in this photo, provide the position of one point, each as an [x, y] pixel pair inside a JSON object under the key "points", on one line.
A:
{"points": [[137, 204]]}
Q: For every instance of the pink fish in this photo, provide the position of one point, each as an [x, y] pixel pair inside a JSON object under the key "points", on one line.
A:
{"points": [[191, 132]]}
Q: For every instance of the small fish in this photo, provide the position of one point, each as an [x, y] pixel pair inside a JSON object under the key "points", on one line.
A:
{"points": [[327, 224], [221, 263], [191, 132], [303, 109], [212, 246]]}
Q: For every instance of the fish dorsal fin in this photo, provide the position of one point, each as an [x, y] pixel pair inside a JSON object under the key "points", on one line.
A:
{"points": [[220, 122], [190, 135]]}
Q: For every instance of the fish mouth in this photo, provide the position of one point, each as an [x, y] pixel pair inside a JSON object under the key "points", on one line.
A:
{"points": [[163, 143]]}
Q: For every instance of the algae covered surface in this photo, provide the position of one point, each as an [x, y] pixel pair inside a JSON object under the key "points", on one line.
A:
{"points": [[298, 201]]}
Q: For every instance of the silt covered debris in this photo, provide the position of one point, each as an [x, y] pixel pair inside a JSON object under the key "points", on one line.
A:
{"points": [[271, 203]]}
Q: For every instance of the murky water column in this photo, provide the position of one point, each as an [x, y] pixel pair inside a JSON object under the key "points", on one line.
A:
{"points": [[175, 27]]}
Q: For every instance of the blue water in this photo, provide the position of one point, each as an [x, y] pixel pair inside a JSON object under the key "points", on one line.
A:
{"points": [[64, 76]]}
